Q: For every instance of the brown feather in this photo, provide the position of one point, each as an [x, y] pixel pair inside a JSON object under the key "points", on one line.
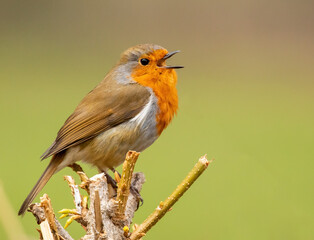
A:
{"points": [[108, 105], [50, 170]]}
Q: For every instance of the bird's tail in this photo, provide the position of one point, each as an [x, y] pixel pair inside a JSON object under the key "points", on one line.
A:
{"points": [[50, 170]]}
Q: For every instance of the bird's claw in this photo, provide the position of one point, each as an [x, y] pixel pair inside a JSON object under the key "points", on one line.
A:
{"points": [[138, 196]]}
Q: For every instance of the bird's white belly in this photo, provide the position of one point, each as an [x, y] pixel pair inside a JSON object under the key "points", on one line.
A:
{"points": [[108, 149]]}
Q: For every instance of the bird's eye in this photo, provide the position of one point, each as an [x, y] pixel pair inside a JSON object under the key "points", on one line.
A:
{"points": [[144, 61]]}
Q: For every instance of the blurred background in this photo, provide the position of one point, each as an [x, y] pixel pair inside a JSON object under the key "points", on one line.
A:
{"points": [[246, 99]]}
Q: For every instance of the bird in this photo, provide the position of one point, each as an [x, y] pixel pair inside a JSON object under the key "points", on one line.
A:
{"points": [[127, 110]]}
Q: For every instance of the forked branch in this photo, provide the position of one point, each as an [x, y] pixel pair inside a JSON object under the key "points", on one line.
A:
{"points": [[109, 214]]}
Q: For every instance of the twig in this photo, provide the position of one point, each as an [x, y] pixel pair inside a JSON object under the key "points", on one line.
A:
{"points": [[165, 206], [77, 198], [98, 206], [97, 211], [80, 203], [39, 211], [50, 216], [45, 230], [84, 179], [125, 182]]}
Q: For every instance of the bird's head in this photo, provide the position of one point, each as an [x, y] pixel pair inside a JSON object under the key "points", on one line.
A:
{"points": [[146, 64]]}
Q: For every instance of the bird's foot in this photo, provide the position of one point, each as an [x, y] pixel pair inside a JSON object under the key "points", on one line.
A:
{"points": [[140, 200], [111, 181], [133, 190]]}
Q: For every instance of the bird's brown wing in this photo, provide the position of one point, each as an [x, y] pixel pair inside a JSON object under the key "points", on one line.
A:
{"points": [[107, 106]]}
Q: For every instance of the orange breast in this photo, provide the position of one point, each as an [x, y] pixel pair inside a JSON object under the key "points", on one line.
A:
{"points": [[163, 83]]}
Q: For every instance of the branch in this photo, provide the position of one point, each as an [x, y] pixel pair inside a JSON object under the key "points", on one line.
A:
{"points": [[111, 210], [165, 206], [77, 198], [110, 227], [50, 226], [80, 202], [125, 182]]}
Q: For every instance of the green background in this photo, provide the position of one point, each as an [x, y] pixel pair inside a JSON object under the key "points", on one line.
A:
{"points": [[246, 99]]}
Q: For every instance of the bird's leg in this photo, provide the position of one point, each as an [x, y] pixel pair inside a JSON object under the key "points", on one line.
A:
{"points": [[140, 200], [112, 184], [116, 173], [110, 180]]}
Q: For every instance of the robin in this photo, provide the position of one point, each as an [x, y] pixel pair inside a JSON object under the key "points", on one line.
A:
{"points": [[128, 110]]}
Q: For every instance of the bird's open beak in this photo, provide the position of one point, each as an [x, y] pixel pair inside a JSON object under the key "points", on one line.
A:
{"points": [[169, 55]]}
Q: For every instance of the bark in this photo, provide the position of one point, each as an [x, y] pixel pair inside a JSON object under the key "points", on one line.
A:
{"points": [[111, 210]]}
